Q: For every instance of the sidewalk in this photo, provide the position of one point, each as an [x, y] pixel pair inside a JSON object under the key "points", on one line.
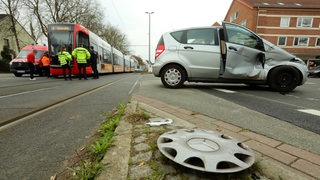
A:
{"points": [[131, 157]]}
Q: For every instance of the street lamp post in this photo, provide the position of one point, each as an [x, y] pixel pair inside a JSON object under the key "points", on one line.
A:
{"points": [[149, 13]]}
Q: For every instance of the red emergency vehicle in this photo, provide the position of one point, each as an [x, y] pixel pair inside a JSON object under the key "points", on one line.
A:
{"points": [[19, 66]]}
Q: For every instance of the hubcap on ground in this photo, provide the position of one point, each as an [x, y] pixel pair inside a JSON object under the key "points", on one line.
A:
{"points": [[205, 150]]}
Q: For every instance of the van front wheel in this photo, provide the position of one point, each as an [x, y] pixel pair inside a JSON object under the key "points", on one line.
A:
{"points": [[173, 76], [284, 79], [17, 74]]}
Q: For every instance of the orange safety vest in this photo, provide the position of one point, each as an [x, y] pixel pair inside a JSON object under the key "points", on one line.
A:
{"points": [[45, 61]]}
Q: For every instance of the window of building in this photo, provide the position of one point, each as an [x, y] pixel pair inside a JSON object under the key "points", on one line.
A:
{"points": [[304, 22], [234, 16], [301, 41], [282, 41], [244, 23], [318, 42], [284, 22], [6, 42]]}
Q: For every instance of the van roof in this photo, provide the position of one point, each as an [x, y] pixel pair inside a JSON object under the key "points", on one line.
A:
{"points": [[36, 47]]}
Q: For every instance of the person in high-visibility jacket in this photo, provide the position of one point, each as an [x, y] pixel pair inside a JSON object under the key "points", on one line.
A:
{"points": [[65, 58], [45, 60], [82, 55]]}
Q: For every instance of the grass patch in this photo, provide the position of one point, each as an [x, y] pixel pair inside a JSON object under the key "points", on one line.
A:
{"points": [[90, 166]]}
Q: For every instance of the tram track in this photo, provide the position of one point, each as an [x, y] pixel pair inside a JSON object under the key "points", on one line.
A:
{"points": [[5, 124]]}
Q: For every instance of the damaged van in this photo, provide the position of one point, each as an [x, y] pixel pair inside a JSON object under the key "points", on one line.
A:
{"points": [[229, 53], [19, 65]]}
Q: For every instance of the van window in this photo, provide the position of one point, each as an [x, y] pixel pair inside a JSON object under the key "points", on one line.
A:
{"points": [[241, 36], [24, 53], [177, 36], [201, 36]]}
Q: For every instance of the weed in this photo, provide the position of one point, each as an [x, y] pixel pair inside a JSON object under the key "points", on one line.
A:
{"points": [[91, 167], [153, 145], [87, 170]]}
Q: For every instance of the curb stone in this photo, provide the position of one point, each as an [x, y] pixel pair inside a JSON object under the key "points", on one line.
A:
{"points": [[117, 159]]}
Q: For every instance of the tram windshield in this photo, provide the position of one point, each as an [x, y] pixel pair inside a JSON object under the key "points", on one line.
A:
{"points": [[60, 38], [56, 40]]}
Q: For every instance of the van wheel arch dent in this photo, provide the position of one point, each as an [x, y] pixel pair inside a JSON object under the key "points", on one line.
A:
{"points": [[284, 78], [173, 76]]}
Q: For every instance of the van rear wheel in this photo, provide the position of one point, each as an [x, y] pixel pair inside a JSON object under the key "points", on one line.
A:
{"points": [[284, 79], [173, 76]]}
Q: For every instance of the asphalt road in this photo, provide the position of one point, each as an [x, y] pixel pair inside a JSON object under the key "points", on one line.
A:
{"points": [[300, 107], [38, 146], [255, 108]]}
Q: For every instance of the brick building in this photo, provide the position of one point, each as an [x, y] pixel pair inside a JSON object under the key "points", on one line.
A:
{"points": [[293, 25]]}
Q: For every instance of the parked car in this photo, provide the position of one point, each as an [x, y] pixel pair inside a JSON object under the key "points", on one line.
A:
{"points": [[19, 66], [229, 53], [314, 72], [313, 67]]}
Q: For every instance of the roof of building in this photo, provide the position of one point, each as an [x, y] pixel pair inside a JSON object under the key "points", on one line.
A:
{"points": [[216, 24], [284, 3], [3, 16]]}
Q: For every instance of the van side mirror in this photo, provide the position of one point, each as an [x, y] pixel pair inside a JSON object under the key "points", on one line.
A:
{"points": [[261, 57]]}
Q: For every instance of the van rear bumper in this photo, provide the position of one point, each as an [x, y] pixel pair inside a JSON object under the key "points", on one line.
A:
{"points": [[156, 70]]}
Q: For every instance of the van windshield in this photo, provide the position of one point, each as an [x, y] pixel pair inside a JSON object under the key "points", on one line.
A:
{"points": [[24, 53]]}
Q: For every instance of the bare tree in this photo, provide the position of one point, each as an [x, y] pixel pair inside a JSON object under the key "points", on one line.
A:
{"points": [[85, 12], [115, 38], [11, 8]]}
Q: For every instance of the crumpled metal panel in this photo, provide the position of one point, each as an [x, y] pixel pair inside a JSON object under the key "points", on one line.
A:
{"points": [[159, 121]]}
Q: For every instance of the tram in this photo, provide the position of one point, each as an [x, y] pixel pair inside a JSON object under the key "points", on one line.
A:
{"points": [[110, 60]]}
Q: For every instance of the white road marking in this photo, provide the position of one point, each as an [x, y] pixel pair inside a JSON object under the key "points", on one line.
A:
{"points": [[310, 111], [17, 94], [132, 88], [225, 90]]}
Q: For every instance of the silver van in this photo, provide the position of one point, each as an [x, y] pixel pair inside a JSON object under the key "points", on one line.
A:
{"points": [[227, 54]]}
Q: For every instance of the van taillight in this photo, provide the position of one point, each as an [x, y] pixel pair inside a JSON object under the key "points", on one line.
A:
{"points": [[159, 50]]}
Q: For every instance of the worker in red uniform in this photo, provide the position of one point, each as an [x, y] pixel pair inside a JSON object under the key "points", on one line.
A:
{"points": [[30, 61]]}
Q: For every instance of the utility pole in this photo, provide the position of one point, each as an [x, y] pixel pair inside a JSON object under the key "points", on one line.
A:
{"points": [[149, 13]]}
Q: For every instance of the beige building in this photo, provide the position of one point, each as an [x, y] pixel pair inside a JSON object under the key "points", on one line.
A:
{"points": [[7, 37]]}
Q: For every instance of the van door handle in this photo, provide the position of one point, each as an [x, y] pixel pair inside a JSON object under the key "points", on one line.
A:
{"points": [[233, 48], [188, 47]]}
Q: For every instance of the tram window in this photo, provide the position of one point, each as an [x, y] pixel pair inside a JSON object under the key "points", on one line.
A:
{"points": [[106, 56], [83, 39], [100, 53], [116, 59], [95, 47], [121, 62]]}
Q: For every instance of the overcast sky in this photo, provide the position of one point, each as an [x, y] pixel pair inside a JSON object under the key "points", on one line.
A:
{"points": [[130, 17]]}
